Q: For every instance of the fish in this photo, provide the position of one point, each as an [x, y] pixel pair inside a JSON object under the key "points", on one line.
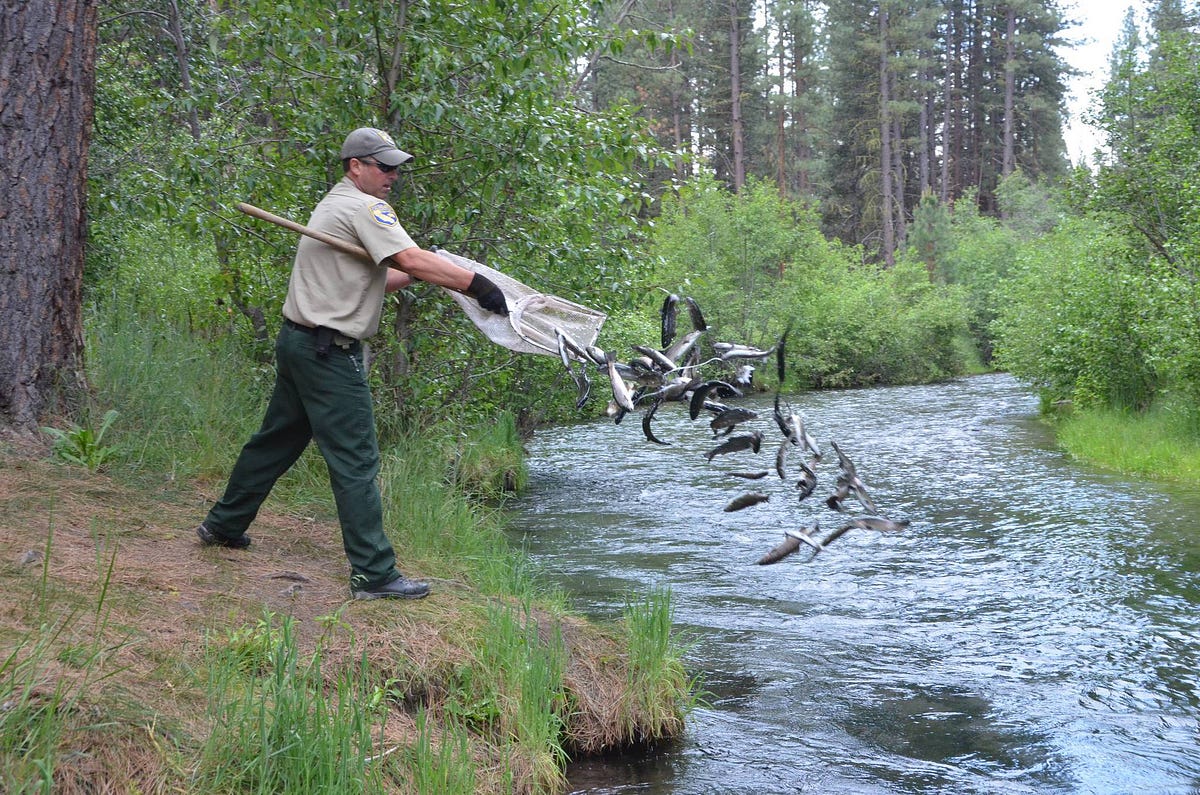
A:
{"points": [[598, 357], [802, 436], [779, 353], [701, 392], [646, 423], [807, 482], [573, 348], [781, 458], [837, 500], [727, 351], [620, 390], [731, 417], [792, 539], [759, 475], [583, 384], [562, 349], [656, 357], [749, 441], [881, 524], [745, 501], [835, 535], [669, 310], [694, 313], [682, 346], [848, 483]]}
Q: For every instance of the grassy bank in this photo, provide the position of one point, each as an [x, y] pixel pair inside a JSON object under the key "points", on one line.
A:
{"points": [[1160, 444], [132, 659]]}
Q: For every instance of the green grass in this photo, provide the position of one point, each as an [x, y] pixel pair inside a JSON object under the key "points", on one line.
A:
{"points": [[278, 727], [1158, 444], [263, 711]]}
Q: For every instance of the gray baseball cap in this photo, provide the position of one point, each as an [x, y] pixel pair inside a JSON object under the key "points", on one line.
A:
{"points": [[370, 142]]}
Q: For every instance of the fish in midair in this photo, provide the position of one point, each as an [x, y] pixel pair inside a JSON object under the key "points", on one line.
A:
{"points": [[646, 417], [758, 475], [807, 482], [792, 540], [730, 418], [748, 441], [694, 312], [848, 483], [621, 393], [745, 501], [683, 346], [670, 309], [727, 351], [700, 394], [582, 383], [880, 524]]}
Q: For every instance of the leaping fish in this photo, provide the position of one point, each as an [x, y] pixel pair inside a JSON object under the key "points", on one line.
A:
{"points": [[792, 540], [745, 501], [749, 441], [620, 390], [669, 311], [646, 423]]}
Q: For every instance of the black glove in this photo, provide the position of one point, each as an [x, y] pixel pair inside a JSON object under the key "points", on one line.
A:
{"points": [[487, 294]]}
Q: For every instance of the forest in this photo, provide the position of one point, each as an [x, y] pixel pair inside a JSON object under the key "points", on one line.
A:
{"points": [[887, 181], [892, 176]]}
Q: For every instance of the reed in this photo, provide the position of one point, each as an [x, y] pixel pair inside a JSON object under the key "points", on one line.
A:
{"points": [[275, 728], [660, 693]]}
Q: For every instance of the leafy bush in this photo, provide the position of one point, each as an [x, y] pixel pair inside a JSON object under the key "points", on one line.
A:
{"points": [[1078, 323]]}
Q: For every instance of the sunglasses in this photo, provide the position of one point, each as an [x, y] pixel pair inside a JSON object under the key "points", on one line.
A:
{"points": [[386, 169]]}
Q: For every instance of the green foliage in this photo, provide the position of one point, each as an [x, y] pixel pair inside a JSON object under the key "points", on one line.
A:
{"points": [[252, 102], [288, 734], [882, 327], [82, 445], [659, 686], [757, 263], [445, 766], [749, 259], [1078, 323]]}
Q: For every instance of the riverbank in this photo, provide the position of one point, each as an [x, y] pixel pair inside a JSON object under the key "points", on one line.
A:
{"points": [[1156, 445], [134, 658]]}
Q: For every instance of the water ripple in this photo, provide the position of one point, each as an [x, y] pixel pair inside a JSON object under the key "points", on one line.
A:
{"points": [[1033, 630]]}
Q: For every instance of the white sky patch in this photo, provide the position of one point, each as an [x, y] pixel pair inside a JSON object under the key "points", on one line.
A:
{"points": [[1100, 25]]}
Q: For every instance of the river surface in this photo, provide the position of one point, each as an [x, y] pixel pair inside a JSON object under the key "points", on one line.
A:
{"points": [[1034, 630]]}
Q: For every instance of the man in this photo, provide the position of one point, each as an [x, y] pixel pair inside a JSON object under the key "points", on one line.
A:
{"points": [[334, 301]]}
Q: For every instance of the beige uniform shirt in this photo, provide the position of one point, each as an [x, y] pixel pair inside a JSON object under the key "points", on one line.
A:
{"points": [[331, 288]]}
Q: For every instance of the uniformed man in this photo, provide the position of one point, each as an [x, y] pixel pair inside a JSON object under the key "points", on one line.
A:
{"points": [[334, 301]]}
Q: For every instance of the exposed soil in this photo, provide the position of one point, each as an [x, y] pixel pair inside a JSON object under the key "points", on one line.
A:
{"points": [[71, 539]]}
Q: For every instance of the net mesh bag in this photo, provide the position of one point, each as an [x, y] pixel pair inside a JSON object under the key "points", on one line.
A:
{"points": [[534, 318]]}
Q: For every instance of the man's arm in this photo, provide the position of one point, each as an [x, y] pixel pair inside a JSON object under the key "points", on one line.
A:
{"points": [[397, 280], [418, 263], [429, 267]]}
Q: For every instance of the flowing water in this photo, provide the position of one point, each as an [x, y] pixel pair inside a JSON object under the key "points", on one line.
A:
{"points": [[1033, 631]]}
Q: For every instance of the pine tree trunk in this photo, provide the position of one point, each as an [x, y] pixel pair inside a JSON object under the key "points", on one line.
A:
{"points": [[1010, 70], [885, 144], [47, 79], [735, 90]]}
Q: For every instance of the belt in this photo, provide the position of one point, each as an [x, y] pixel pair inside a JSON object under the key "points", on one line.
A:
{"points": [[339, 339]]}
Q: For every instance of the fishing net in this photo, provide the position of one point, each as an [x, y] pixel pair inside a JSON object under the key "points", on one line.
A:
{"points": [[533, 317]]}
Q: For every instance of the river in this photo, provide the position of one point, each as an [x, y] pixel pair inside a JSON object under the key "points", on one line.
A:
{"points": [[1033, 630]]}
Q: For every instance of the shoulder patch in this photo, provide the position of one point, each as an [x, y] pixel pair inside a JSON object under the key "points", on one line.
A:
{"points": [[384, 215]]}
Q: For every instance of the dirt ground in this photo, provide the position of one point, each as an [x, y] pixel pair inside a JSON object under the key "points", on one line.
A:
{"points": [[71, 540]]}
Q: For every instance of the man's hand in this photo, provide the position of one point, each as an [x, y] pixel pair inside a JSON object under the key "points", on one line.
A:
{"points": [[489, 296]]}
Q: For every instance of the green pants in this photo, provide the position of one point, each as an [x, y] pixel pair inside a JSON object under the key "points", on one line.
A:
{"points": [[326, 399]]}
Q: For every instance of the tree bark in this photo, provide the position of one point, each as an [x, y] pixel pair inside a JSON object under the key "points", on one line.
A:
{"points": [[1010, 71], [47, 81], [735, 90], [885, 143]]}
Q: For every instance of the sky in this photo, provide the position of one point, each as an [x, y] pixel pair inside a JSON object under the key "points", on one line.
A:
{"points": [[1101, 22]]}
